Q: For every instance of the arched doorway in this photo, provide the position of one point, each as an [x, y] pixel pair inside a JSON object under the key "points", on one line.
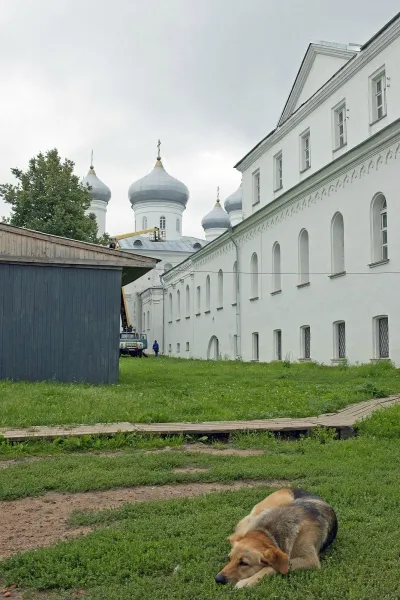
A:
{"points": [[213, 349]]}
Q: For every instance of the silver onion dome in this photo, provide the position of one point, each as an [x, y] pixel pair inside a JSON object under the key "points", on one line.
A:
{"points": [[158, 186], [234, 201], [217, 218], [99, 190]]}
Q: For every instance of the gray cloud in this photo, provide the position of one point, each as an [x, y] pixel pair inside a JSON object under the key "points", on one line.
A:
{"points": [[208, 78]]}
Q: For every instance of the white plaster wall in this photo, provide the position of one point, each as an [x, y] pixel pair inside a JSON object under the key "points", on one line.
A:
{"points": [[153, 212], [322, 69], [356, 298], [152, 304], [356, 92], [149, 280], [99, 209]]}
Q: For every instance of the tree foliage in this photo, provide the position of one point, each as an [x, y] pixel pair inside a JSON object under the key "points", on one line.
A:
{"points": [[48, 197]]}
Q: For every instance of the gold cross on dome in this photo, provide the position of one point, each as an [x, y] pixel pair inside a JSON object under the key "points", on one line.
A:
{"points": [[158, 148]]}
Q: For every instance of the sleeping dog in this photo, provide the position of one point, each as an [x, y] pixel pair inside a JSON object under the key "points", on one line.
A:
{"points": [[286, 531]]}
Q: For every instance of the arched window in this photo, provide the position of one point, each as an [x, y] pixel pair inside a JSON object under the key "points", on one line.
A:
{"points": [[254, 276], [208, 292], [148, 319], [162, 222], [337, 243], [144, 223], [144, 322], [276, 268], [187, 301], [198, 300], [170, 313], [304, 258], [178, 225], [379, 228], [178, 304], [234, 283], [220, 288]]}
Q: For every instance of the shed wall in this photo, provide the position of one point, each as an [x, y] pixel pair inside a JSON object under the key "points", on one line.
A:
{"points": [[59, 323]]}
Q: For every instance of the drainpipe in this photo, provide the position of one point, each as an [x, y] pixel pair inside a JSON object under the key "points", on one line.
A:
{"points": [[238, 320]]}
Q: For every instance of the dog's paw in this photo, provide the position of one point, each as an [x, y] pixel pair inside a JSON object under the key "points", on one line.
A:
{"points": [[244, 583]]}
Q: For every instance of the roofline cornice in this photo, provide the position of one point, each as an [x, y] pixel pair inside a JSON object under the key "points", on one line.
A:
{"points": [[331, 86], [304, 71], [360, 153]]}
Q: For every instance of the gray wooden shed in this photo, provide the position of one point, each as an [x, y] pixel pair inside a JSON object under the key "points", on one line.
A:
{"points": [[60, 303]]}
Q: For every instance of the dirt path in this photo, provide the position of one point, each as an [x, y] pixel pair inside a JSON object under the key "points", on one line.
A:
{"points": [[31, 523]]}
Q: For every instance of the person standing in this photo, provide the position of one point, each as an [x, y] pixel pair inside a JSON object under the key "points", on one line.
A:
{"points": [[156, 348]]}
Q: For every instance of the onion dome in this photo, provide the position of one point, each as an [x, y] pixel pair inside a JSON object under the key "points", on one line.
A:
{"points": [[217, 218], [234, 201], [99, 191], [158, 186]]}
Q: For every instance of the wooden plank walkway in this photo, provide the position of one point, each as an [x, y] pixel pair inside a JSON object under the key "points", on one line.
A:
{"points": [[343, 421]]}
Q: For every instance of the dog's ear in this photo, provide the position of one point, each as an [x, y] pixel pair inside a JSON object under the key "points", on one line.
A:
{"points": [[276, 559], [234, 538]]}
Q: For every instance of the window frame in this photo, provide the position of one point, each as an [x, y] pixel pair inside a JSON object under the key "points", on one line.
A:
{"points": [[378, 355], [305, 150], [278, 171], [336, 341], [278, 344], [303, 342], [378, 77], [339, 109], [255, 343], [256, 188]]}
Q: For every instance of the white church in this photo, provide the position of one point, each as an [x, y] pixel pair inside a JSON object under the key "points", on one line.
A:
{"points": [[304, 262]]}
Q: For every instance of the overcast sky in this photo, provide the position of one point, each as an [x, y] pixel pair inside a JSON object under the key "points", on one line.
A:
{"points": [[208, 78]]}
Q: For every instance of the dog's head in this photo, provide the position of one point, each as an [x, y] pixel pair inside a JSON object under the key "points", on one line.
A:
{"points": [[250, 554]]}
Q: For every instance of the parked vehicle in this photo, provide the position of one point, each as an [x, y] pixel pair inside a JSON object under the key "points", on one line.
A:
{"points": [[130, 344]]}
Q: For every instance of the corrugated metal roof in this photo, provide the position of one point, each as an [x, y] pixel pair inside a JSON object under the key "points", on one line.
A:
{"points": [[184, 244]]}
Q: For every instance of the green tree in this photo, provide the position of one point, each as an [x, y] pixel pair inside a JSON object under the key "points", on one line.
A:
{"points": [[48, 197]]}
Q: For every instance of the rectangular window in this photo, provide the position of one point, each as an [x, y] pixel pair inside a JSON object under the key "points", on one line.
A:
{"points": [[305, 151], [278, 344], [256, 187], [198, 299], [340, 120], [187, 346], [169, 348], [378, 85], [256, 348], [278, 180], [340, 340], [382, 337], [178, 347], [306, 342]]}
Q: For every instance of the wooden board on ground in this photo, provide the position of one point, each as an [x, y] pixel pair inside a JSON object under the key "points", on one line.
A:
{"points": [[343, 421]]}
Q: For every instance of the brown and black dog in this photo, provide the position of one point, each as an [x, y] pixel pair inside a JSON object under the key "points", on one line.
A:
{"points": [[286, 531]]}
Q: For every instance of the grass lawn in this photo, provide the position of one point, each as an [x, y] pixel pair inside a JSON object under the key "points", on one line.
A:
{"points": [[168, 390], [134, 550]]}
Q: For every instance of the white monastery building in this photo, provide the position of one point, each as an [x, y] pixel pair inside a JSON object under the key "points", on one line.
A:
{"points": [[313, 271]]}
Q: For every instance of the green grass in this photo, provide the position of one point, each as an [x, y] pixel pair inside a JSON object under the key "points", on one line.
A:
{"points": [[178, 390], [134, 549]]}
